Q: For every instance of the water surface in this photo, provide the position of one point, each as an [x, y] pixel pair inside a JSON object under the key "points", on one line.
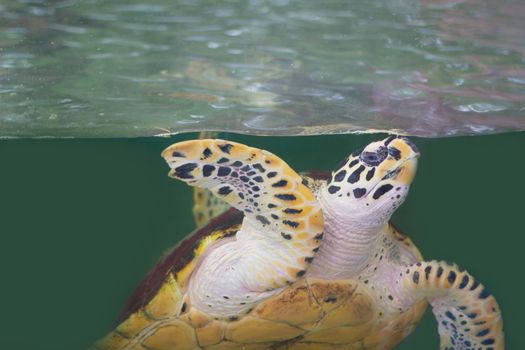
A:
{"points": [[277, 67]]}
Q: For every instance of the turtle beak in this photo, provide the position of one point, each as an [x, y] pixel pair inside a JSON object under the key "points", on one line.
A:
{"points": [[410, 144], [406, 152], [407, 171]]}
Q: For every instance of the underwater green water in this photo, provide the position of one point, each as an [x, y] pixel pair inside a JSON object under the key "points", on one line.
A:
{"points": [[82, 221]]}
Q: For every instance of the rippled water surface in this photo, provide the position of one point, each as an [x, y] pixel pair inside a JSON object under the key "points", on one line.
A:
{"points": [[129, 68]]}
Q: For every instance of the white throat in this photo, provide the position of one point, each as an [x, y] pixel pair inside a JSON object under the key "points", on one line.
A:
{"points": [[350, 239]]}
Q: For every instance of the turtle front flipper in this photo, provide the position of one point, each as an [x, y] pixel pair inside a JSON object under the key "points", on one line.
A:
{"points": [[468, 315], [283, 222]]}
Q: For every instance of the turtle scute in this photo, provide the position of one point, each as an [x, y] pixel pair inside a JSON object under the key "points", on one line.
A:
{"points": [[310, 314]]}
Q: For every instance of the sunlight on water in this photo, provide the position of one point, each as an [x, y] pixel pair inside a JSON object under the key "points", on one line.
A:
{"points": [[97, 68]]}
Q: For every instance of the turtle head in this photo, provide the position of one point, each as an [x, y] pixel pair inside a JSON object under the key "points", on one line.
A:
{"points": [[373, 181]]}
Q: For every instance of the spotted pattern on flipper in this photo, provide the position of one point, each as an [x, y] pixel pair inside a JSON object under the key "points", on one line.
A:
{"points": [[271, 195], [468, 316]]}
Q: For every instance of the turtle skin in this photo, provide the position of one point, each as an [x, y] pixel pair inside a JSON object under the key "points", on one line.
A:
{"points": [[310, 314]]}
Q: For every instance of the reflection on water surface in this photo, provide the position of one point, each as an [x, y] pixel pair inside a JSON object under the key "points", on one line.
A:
{"points": [[120, 68]]}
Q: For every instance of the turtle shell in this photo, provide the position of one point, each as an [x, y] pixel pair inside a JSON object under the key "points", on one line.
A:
{"points": [[310, 314]]}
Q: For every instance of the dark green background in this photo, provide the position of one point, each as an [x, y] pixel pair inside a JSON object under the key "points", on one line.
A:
{"points": [[82, 221]]}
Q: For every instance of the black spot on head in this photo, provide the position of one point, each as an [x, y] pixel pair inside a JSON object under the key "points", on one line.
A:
{"points": [[237, 163], [246, 168], [184, 170], [354, 177], [330, 299], [340, 176], [223, 160], [234, 174], [226, 148], [352, 163], [300, 273], [274, 216], [382, 190], [224, 171], [178, 154], [207, 170], [359, 192], [271, 174], [319, 236], [390, 139], [233, 318], [184, 307], [489, 341], [271, 205], [309, 259], [394, 153], [224, 190], [259, 179], [370, 174], [255, 188], [333, 189], [225, 297], [244, 178]]}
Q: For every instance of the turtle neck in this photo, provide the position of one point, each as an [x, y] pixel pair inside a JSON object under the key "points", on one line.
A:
{"points": [[349, 241]]}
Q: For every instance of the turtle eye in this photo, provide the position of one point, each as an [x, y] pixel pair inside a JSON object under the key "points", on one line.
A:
{"points": [[374, 158]]}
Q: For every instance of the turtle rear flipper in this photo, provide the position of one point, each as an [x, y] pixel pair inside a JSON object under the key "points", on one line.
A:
{"points": [[206, 206], [468, 315]]}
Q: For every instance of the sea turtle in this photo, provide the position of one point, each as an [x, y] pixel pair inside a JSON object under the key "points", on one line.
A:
{"points": [[301, 262]]}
